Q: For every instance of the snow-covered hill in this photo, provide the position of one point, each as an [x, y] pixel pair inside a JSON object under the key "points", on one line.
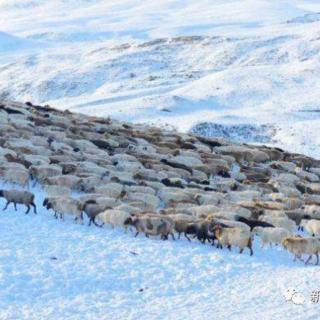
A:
{"points": [[181, 63]]}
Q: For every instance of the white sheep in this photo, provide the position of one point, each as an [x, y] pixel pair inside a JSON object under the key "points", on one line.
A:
{"points": [[281, 222], [62, 205], [16, 176], [311, 226], [237, 237], [66, 180], [149, 199], [212, 198], [42, 172], [110, 189], [114, 217], [299, 246], [271, 235]]}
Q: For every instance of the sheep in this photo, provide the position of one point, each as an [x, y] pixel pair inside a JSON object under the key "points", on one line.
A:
{"points": [[92, 209], [297, 216], [41, 172], [311, 226], [281, 222], [140, 189], [311, 199], [16, 176], [167, 195], [114, 217], [19, 197], [62, 205], [313, 211], [273, 214], [67, 180], [181, 222], [229, 223], [242, 153], [247, 195], [55, 190], [147, 198], [128, 208], [214, 198], [237, 237], [110, 189], [173, 211], [152, 225], [292, 203], [201, 229], [299, 246], [254, 223], [270, 236]]}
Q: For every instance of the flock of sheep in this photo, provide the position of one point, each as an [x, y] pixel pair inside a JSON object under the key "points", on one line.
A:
{"points": [[160, 183]]}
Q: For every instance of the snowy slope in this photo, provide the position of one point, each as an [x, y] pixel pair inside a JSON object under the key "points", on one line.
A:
{"points": [[59, 270], [181, 63]]}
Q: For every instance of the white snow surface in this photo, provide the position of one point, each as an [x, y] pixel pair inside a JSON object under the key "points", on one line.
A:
{"points": [[175, 63], [61, 270]]}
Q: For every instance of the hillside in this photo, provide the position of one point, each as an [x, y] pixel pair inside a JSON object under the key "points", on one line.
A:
{"points": [[57, 269], [251, 65]]}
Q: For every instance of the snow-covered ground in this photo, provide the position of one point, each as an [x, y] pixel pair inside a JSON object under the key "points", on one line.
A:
{"points": [[60, 270], [176, 62]]}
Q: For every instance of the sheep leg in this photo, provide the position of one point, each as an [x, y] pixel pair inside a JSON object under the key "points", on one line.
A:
{"points": [[317, 256], [250, 246], [172, 235], [28, 209], [55, 215], [241, 250], [94, 222], [136, 234], [179, 234], [6, 206], [34, 208], [90, 220], [185, 234], [310, 257], [15, 206], [229, 247]]}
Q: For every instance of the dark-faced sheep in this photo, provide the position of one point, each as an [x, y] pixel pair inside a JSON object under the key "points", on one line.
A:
{"points": [[62, 205], [19, 197]]}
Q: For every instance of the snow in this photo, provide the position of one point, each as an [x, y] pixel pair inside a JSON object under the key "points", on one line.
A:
{"points": [[61, 270], [243, 69]]}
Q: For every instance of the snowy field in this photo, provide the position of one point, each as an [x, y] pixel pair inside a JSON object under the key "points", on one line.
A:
{"points": [[247, 70], [171, 62], [60, 270]]}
